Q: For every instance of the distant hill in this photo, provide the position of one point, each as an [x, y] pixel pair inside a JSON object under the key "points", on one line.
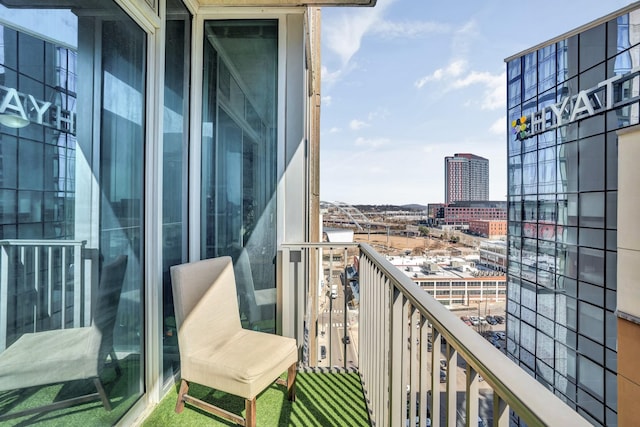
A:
{"points": [[382, 208]]}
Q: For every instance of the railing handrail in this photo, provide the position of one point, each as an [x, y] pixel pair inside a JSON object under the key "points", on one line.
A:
{"points": [[328, 245], [43, 242], [534, 403]]}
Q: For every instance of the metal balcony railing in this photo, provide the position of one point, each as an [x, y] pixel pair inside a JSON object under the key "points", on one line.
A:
{"points": [[397, 333], [44, 285]]}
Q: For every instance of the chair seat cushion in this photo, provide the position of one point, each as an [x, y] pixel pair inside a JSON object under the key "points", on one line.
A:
{"points": [[50, 357], [244, 366]]}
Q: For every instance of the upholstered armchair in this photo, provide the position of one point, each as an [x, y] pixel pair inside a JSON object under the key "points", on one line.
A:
{"points": [[215, 351]]}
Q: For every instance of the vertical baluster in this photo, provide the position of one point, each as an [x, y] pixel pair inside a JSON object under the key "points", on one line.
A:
{"points": [[471, 410], [381, 369], [23, 296], [413, 364], [36, 282], [435, 376], [83, 285], [345, 325], [77, 289], [500, 411], [63, 289], [423, 369], [398, 414], [452, 388], [386, 295], [49, 283]]}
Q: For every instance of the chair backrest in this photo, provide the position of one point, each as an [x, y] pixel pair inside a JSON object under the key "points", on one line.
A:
{"points": [[106, 310], [205, 302], [244, 281]]}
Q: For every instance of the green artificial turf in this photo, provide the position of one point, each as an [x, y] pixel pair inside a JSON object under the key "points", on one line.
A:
{"points": [[123, 391], [322, 399]]}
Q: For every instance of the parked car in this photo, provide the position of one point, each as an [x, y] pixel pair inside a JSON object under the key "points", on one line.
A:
{"points": [[346, 339], [501, 335], [323, 352], [443, 376], [443, 364], [499, 319]]}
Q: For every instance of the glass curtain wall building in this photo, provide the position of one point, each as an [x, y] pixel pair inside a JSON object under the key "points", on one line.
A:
{"points": [[566, 100]]}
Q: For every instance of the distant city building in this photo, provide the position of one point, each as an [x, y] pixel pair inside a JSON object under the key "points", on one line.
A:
{"points": [[466, 177], [462, 213], [493, 255], [454, 281], [486, 228], [434, 211]]}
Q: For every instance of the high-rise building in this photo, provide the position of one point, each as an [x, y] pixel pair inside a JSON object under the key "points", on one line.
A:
{"points": [[568, 102], [466, 177]]}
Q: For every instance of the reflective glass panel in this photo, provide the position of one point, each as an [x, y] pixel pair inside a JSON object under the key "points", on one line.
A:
{"points": [[72, 133], [239, 148]]}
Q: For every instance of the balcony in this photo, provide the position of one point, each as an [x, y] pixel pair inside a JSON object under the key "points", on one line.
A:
{"points": [[380, 375], [396, 333]]}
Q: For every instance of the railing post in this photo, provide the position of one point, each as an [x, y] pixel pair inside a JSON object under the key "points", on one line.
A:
{"points": [[284, 322], [452, 387], [472, 397], [424, 369], [36, 282], [500, 411], [435, 378], [49, 281], [63, 290], [80, 279], [397, 413]]}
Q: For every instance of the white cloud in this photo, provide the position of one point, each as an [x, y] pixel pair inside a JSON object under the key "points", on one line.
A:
{"points": [[328, 76], [454, 69], [334, 130], [414, 29], [374, 143], [343, 34], [499, 126], [326, 101], [494, 88], [356, 124], [455, 77], [464, 37], [379, 114]]}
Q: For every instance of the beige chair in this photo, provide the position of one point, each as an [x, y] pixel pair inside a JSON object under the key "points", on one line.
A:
{"points": [[63, 355], [215, 351]]}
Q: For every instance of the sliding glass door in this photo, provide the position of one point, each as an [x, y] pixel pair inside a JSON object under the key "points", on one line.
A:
{"points": [[239, 153], [72, 132]]}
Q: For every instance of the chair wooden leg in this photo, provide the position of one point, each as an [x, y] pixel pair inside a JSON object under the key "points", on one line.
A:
{"points": [[291, 382], [102, 393], [250, 410], [184, 388]]}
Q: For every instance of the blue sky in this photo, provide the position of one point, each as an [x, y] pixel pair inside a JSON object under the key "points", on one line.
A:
{"points": [[408, 82]]}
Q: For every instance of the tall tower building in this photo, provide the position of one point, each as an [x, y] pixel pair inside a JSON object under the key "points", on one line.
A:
{"points": [[572, 307], [466, 178]]}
